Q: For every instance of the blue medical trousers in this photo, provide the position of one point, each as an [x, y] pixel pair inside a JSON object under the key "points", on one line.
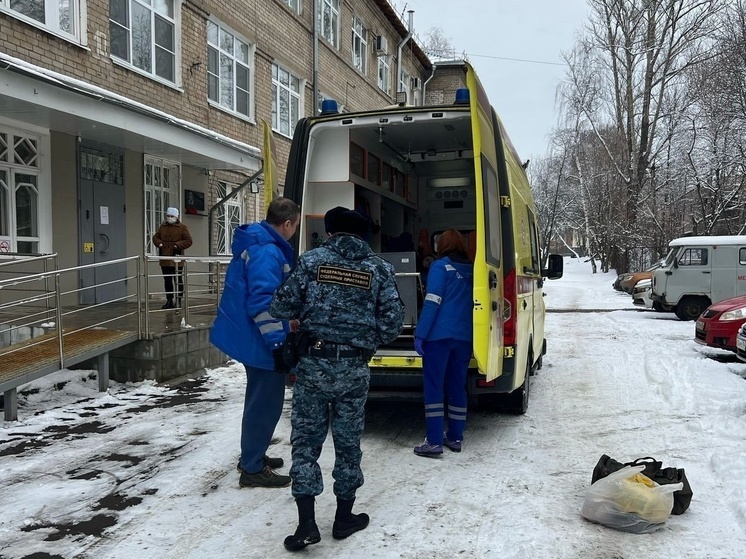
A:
{"points": [[265, 392], [444, 368]]}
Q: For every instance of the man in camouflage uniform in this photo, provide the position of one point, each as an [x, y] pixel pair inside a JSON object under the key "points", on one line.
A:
{"points": [[348, 304]]}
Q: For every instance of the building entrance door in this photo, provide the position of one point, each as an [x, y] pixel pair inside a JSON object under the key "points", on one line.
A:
{"points": [[102, 221]]}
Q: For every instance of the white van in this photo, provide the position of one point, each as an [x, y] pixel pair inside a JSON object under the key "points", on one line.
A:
{"points": [[699, 271]]}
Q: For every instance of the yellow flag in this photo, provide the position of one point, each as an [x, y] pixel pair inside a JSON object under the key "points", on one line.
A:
{"points": [[270, 166]]}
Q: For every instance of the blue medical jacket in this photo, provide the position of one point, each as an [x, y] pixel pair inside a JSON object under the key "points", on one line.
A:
{"points": [[449, 301]]}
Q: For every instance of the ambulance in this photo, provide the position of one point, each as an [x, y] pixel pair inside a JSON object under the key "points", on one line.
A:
{"points": [[416, 171]]}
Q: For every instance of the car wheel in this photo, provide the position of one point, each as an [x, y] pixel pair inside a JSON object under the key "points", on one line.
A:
{"points": [[517, 401], [689, 308]]}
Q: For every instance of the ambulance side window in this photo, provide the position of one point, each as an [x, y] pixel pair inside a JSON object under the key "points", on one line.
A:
{"points": [[533, 233], [492, 214]]}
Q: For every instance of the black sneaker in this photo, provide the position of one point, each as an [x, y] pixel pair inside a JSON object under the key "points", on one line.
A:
{"points": [[266, 478], [169, 305], [274, 463]]}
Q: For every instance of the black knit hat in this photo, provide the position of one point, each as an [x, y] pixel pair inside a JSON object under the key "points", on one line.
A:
{"points": [[331, 221], [343, 220]]}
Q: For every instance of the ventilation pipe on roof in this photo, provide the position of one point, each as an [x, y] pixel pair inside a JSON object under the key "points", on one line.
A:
{"points": [[399, 50]]}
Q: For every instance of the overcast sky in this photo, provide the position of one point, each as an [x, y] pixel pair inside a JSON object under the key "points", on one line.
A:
{"points": [[523, 93]]}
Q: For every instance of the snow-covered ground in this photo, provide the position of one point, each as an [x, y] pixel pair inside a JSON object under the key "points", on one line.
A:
{"points": [[147, 471]]}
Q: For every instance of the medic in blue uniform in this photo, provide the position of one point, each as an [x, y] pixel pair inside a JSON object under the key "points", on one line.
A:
{"points": [[444, 339]]}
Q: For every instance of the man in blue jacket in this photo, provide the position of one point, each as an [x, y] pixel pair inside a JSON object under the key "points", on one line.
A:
{"points": [[244, 330]]}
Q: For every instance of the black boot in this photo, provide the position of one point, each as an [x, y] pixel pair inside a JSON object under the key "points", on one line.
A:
{"points": [[169, 304], [346, 523], [307, 532]]}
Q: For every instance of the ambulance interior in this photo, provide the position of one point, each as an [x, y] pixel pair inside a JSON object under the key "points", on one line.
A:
{"points": [[411, 173]]}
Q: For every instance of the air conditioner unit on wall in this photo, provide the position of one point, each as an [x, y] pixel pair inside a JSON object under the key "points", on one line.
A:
{"points": [[382, 45]]}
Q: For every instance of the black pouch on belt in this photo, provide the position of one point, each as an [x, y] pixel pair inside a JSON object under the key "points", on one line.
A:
{"points": [[295, 345]]}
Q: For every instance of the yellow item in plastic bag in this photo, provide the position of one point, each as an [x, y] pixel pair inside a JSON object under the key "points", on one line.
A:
{"points": [[636, 497], [629, 501]]}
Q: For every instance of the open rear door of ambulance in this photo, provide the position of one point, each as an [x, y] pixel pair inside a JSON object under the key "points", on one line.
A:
{"points": [[488, 278]]}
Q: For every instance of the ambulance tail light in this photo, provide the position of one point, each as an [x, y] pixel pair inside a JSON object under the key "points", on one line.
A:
{"points": [[509, 308]]}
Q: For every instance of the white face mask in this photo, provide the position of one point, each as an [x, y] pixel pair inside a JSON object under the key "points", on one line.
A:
{"points": [[170, 220]]}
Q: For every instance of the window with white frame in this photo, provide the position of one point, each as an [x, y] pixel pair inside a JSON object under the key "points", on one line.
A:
{"points": [[328, 21], [229, 70], [228, 216], [404, 84], [295, 4], [384, 72], [162, 182], [320, 101], [359, 45], [144, 35], [286, 100], [19, 192], [58, 16]]}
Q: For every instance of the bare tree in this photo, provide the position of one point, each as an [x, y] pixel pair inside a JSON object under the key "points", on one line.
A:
{"points": [[438, 45], [625, 96]]}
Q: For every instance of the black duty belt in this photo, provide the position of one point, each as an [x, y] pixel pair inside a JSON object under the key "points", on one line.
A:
{"points": [[332, 350]]}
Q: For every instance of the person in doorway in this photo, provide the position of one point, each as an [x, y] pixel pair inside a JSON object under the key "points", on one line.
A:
{"points": [[346, 299], [245, 330], [443, 338], [172, 239]]}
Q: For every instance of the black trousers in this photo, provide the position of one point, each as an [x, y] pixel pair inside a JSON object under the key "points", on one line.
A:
{"points": [[169, 273]]}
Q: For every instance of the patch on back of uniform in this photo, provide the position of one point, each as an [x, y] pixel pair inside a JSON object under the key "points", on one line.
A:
{"points": [[344, 276]]}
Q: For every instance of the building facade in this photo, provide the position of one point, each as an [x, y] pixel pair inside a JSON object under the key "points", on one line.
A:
{"points": [[113, 110]]}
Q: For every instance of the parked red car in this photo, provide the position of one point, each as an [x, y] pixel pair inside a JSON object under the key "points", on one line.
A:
{"points": [[719, 324]]}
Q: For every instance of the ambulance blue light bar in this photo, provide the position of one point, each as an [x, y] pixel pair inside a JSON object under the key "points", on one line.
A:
{"points": [[329, 107], [462, 96]]}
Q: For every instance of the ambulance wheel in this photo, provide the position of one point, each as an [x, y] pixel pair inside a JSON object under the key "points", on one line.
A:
{"points": [[538, 365], [517, 401], [689, 308]]}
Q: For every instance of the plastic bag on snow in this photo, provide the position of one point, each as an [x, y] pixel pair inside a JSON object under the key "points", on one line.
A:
{"points": [[629, 501]]}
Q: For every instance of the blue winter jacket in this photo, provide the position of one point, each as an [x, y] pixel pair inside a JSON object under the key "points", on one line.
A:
{"points": [[449, 301], [244, 329]]}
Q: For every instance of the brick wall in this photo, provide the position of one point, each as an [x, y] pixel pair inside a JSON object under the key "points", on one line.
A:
{"points": [[280, 36]]}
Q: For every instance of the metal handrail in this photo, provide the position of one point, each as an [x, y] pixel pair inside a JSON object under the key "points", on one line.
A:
{"points": [[40, 275], [32, 318], [16, 258], [186, 261]]}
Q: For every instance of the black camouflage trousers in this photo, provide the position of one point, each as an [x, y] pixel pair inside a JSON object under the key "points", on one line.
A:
{"points": [[328, 392]]}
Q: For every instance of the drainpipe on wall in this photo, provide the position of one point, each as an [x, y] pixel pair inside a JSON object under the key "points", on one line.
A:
{"points": [[424, 85], [399, 50], [315, 58]]}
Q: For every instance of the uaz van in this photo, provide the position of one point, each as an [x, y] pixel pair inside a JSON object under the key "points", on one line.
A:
{"points": [[699, 271]]}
